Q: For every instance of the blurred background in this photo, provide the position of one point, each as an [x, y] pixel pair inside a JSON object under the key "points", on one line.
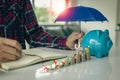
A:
{"points": [[47, 11]]}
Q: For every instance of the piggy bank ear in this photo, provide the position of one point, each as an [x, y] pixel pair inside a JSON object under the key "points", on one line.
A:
{"points": [[106, 31]]}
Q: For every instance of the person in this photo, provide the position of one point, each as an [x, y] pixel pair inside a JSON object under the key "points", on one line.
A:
{"points": [[18, 23]]}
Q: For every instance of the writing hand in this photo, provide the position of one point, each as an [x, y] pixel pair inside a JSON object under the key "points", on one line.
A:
{"points": [[9, 50]]}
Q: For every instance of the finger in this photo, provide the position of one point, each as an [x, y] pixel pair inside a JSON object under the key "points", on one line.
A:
{"points": [[74, 34], [82, 34], [3, 60], [11, 50], [79, 36], [71, 37], [76, 37], [12, 43], [8, 57]]}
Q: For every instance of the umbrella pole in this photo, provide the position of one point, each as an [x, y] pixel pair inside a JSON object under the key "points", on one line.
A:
{"points": [[79, 27], [78, 45]]}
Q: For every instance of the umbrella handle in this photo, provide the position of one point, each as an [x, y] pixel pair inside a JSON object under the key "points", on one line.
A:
{"points": [[77, 46]]}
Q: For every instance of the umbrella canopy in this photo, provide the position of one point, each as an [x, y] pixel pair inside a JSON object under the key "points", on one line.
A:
{"points": [[81, 13]]}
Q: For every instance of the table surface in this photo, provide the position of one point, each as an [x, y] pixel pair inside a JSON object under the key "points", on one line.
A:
{"points": [[107, 68]]}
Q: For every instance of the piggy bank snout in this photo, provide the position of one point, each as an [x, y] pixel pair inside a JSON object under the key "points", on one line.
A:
{"points": [[109, 44]]}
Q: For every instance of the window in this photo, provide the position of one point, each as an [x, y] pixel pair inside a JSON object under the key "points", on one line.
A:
{"points": [[47, 10]]}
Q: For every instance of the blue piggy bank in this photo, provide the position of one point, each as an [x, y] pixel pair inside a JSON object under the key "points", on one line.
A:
{"points": [[98, 41]]}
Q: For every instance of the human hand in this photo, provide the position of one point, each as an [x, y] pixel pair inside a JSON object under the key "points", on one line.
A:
{"points": [[9, 50], [73, 38]]}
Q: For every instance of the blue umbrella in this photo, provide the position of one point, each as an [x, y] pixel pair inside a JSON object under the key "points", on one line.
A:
{"points": [[81, 13]]}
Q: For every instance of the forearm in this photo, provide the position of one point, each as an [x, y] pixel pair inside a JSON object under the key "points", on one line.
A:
{"points": [[40, 38]]}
